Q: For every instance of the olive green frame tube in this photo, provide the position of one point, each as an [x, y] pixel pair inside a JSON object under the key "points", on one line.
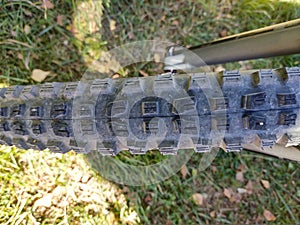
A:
{"points": [[277, 40]]}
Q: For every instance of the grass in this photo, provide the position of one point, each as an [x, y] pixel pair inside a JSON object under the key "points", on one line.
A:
{"points": [[47, 188], [192, 23], [175, 202], [31, 38], [44, 44]]}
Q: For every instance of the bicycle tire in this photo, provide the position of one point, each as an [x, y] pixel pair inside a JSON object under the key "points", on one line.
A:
{"points": [[261, 107]]}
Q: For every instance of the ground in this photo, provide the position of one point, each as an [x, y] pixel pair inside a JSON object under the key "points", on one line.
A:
{"points": [[47, 188]]}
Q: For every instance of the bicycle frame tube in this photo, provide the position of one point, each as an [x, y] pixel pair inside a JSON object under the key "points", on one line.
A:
{"points": [[277, 40]]}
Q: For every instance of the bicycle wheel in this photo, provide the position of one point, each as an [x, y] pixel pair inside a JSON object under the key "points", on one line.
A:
{"points": [[257, 108]]}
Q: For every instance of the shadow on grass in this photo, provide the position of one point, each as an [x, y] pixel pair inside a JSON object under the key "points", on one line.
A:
{"points": [[171, 201]]}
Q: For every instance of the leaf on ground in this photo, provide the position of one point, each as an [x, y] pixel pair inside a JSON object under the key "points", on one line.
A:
{"points": [[249, 187], [231, 195], [242, 167], [116, 76], [213, 214], [239, 176], [236, 198], [20, 56], [39, 75], [60, 20], [14, 33], [27, 12], [112, 25], [223, 33], [228, 192], [198, 199], [144, 73], [26, 61], [157, 58], [130, 35], [47, 4], [242, 191], [148, 199], [45, 201], [269, 216], [184, 171], [27, 29], [175, 23], [265, 183], [169, 222], [214, 169]]}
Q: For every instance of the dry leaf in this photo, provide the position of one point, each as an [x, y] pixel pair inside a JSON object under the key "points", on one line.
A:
{"points": [[72, 29], [14, 33], [213, 214], [148, 199], [27, 12], [45, 201], [223, 33], [47, 4], [112, 25], [236, 198], [239, 176], [219, 68], [39, 75], [198, 199], [157, 58], [223, 145], [26, 61], [59, 20], [259, 219], [175, 23], [125, 189], [116, 76], [242, 190], [214, 169], [269, 216], [249, 185], [144, 73], [266, 184], [130, 35], [228, 192], [169, 222], [184, 171], [242, 168], [20, 56], [27, 29]]}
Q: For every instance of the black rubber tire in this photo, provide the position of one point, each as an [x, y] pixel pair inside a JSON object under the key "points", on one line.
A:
{"points": [[260, 107]]}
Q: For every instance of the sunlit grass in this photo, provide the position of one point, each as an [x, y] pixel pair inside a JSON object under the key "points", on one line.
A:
{"points": [[57, 189]]}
